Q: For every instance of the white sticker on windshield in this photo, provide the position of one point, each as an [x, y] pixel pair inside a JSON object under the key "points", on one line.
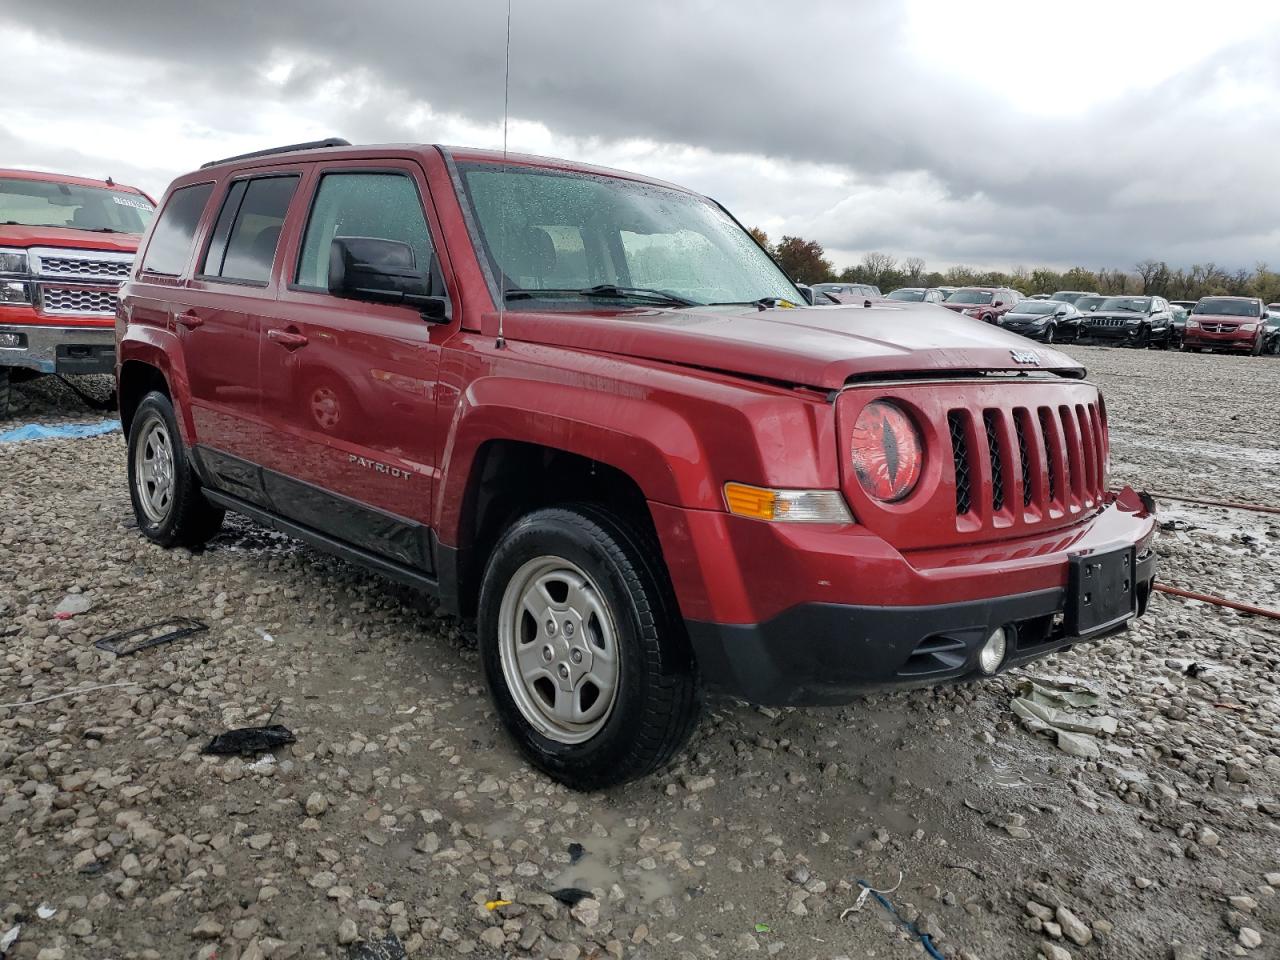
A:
{"points": [[136, 202]]}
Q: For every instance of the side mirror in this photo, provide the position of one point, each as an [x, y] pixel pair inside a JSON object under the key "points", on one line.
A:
{"points": [[1061, 313], [807, 293], [998, 303], [385, 271]]}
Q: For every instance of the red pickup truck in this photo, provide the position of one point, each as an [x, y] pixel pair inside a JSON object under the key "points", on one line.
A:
{"points": [[584, 407], [66, 245]]}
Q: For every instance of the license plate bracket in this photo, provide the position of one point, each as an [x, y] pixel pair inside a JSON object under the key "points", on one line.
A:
{"points": [[1100, 591]]}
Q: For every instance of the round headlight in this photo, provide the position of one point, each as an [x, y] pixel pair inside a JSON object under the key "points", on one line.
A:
{"points": [[886, 452]]}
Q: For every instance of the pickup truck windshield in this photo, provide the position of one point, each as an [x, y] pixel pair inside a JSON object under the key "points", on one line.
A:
{"points": [[557, 236], [46, 203]]}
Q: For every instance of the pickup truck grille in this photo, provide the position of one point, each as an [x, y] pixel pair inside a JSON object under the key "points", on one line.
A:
{"points": [[1005, 458], [81, 264], [63, 301]]}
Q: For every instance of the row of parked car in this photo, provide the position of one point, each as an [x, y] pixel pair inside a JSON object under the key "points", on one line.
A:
{"points": [[1228, 324]]}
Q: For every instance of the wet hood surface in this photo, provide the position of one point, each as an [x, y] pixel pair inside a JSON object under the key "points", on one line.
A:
{"points": [[811, 347]]}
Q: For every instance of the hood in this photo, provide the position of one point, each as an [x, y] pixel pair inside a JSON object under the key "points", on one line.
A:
{"points": [[812, 347], [15, 236], [1014, 317]]}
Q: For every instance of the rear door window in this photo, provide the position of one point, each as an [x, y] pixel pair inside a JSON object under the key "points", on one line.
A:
{"points": [[175, 231], [385, 206], [247, 234]]}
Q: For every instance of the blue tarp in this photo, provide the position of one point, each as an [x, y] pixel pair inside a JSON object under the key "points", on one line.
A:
{"points": [[58, 431]]}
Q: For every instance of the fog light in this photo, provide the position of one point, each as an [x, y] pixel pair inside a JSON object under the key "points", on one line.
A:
{"points": [[12, 340], [992, 653]]}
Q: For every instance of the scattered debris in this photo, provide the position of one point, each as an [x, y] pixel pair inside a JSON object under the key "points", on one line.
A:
{"points": [[249, 741], [129, 642], [762, 928], [867, 891], [389, 948], [570, 896], [9, 939], [70, 693], [61, 431], [926, 941], [1041, 707], [492, 905], [45, 912], [576, 852]]}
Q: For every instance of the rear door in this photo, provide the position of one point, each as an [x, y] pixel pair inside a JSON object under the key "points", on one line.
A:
{"points": [[350, 386], [221, 323]]}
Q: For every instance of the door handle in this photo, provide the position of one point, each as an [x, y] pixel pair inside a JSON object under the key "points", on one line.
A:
{"points": [[289, 339], [189, 320]]}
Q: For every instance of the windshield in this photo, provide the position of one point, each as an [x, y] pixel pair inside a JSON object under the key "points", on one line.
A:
{"points": [[970, 296], [1222, 307], [907, 293], [44, 203], [1068, 296], [1089, 304], [564, 233], [1036, 307], [1127, 304]]}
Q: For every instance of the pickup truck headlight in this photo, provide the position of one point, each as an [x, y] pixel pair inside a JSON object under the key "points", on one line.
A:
{"points": [[793, 506], [14, 291], [14, 261]]}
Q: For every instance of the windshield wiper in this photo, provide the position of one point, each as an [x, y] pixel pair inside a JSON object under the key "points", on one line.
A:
{"points": [[609, 291], [761, 303]]}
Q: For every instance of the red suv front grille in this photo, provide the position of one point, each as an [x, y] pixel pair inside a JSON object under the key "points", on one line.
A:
{"points": [[1004, 458], [1068, 445]]}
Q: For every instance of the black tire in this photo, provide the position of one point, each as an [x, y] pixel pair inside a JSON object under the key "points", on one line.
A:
{"points": [[1257, 348], [657, 699], [1048, 334], [1143, 340], [6, 393], [189, 519]]}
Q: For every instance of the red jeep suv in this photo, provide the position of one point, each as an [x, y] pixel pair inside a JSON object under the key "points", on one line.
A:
{"points": [[66, 245], [584, 407]]}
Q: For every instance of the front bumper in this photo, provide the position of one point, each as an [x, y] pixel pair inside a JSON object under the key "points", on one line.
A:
{"points": [[1199, 339], [50, 349], [826, 653], [1126, 334]]}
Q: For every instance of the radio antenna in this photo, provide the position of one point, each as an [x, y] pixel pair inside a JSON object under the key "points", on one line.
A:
{"points": [[501, 342]]}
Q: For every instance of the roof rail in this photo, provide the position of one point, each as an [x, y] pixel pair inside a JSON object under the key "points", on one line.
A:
{"points": [[287, 148]]}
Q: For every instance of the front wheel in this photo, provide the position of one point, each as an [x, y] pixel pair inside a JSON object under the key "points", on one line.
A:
{"points": [[583, 650], [1257, 348], [5, 393], [167, 502], [1048, 334]]}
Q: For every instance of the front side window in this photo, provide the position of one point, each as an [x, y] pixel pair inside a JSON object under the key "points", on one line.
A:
{"points": [[552, 236], [245, 238], [49, 203], [383, 206], [175, 231]]}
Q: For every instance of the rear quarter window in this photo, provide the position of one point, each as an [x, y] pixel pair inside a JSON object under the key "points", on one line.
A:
{"points": [[175, 231]]}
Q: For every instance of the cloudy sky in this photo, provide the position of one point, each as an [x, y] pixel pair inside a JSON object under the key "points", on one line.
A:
{"points": [[989, 132]]}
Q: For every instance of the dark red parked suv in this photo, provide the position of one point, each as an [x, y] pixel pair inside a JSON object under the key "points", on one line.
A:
{"points": [[583, 406], [983, 303]]}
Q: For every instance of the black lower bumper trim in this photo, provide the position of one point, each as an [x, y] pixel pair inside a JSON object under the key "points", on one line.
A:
{"points": [[826, 653]]}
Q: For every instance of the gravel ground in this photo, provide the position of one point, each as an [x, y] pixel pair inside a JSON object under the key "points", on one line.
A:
{"points": [[402, 810]]}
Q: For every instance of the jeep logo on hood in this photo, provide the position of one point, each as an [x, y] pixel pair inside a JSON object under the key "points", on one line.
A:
{"points": [[1025, 356]]}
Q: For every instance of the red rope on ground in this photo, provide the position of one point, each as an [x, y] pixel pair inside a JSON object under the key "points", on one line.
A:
{"points": [[1218, 601]]}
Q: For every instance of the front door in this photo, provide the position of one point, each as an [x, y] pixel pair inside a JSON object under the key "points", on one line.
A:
{"points": [[349, 387]]}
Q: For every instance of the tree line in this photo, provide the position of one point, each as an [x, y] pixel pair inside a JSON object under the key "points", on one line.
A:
{"points": [[805, 260]]}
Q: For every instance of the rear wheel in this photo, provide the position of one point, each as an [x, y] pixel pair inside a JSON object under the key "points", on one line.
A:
{"points": [[583, 649], [6, 392], [167, 502]]}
